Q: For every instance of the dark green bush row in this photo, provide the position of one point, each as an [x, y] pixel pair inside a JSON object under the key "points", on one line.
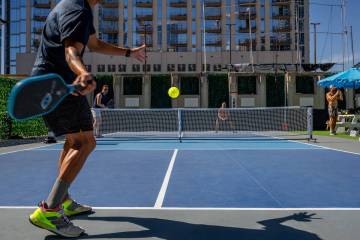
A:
{"points": [[16, 129]]}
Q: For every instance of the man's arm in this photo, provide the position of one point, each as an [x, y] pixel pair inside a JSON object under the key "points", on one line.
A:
{"points": [[73, 59], [96, 45]]}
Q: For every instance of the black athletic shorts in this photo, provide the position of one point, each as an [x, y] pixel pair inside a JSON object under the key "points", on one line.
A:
{"points": [[72, 115]]}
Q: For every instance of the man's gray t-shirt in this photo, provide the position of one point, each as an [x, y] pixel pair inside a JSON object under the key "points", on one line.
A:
{"points": [[70, 19]]}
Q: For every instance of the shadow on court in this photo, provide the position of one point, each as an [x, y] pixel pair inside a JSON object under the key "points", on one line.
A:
{"points": [[176, 230]]}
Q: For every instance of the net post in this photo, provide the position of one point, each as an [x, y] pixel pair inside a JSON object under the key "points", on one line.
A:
{"points": [[310, 122], [179, 124]]}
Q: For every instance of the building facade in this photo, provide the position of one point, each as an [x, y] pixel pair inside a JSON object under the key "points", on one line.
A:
{"points": [[189, 42]]}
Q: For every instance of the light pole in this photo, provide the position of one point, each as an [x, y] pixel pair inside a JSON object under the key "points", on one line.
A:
{"points": [[251, 43], [145, 62], [315, 40], [230, 48]]}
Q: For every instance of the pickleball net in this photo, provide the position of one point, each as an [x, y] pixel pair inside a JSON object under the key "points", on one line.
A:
{"points": [[244, 123]]}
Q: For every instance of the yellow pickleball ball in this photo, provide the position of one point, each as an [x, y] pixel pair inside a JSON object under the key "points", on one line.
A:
{"points": [[173, 92]]}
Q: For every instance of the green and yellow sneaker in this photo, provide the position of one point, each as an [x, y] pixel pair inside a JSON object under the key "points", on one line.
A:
{"points": [[54, 221], [72, 208]]}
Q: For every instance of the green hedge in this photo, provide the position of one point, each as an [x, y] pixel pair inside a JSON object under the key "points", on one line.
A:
{"points": [[16, 129]]}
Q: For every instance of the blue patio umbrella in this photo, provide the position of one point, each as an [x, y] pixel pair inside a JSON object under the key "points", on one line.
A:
{"points": [[347, 79]]}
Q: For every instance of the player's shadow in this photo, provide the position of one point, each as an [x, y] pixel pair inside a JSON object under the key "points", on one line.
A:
{"points": [[175, 230]]}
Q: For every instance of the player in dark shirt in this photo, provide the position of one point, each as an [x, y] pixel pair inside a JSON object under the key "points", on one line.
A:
{"points": [[67, 32]]}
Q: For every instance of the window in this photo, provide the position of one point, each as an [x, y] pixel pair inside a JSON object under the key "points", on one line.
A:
{"points": [[207, 67], [181, 67], [246, 85], [147, 66], [192, 67], [132, 85], [101, 68], [122, 68], [171, 67], [157, 67], [88, 68], [189, 85], [111, 68], [217, 67], [136, 67], [305, 84]]}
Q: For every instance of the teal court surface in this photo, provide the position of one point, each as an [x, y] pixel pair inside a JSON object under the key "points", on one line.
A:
{"points": [[196, 189]]}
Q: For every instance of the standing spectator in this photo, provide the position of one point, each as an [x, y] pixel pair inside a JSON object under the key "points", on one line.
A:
{"points": [[99, 103], [333, 96], [223, 115]]}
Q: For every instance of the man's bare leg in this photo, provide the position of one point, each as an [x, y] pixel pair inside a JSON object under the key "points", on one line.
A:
{"points": [[77, 148], [80, 146]]}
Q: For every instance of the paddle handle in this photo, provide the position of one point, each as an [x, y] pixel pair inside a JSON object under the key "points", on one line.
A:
{"points": [[78, 87]]}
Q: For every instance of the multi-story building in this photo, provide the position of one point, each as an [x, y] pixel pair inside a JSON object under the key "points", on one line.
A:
{"points": [[185, 39], [2, 28]]}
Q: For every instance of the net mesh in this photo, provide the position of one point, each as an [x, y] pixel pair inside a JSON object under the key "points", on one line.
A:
{"points": [[282, 122]]}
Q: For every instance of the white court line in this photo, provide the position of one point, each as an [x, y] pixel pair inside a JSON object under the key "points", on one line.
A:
{"points": [[197, 149], [21, 150], [327, 148], [161, 195], [201, 209]]}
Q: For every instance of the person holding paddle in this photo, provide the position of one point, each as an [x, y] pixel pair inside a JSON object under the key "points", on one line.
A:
{"points": [[67, 32]]}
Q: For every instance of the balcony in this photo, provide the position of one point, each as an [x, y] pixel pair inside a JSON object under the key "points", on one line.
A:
{"points": [[178, 44], [149, 44], [39, 18], [213, 3], [178, 4], [249, 3], [144, 4], [213, 30], [281, 16], [213, 17], [178, 17], [178, 30], [110, 4], [247, 43], [110, 31], [217, 43], [144, 17], [280, 29], [281, 2], [244, 15], [280, 42], [142, 30], [246, 29], [37, 30], [42, 4], [113, 18]]}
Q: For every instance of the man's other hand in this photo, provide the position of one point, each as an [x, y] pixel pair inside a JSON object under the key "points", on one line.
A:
{"points": [[88, 87], [138, 53]]}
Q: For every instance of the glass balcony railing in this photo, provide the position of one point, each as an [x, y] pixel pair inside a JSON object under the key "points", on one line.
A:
{"points": [[39, 18], [247, 29], [178, 3], [42, 4], [110, 3], [213, 30], [212, 3], [281, 2], [178, 17], [144, 17], [144, 4]]}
